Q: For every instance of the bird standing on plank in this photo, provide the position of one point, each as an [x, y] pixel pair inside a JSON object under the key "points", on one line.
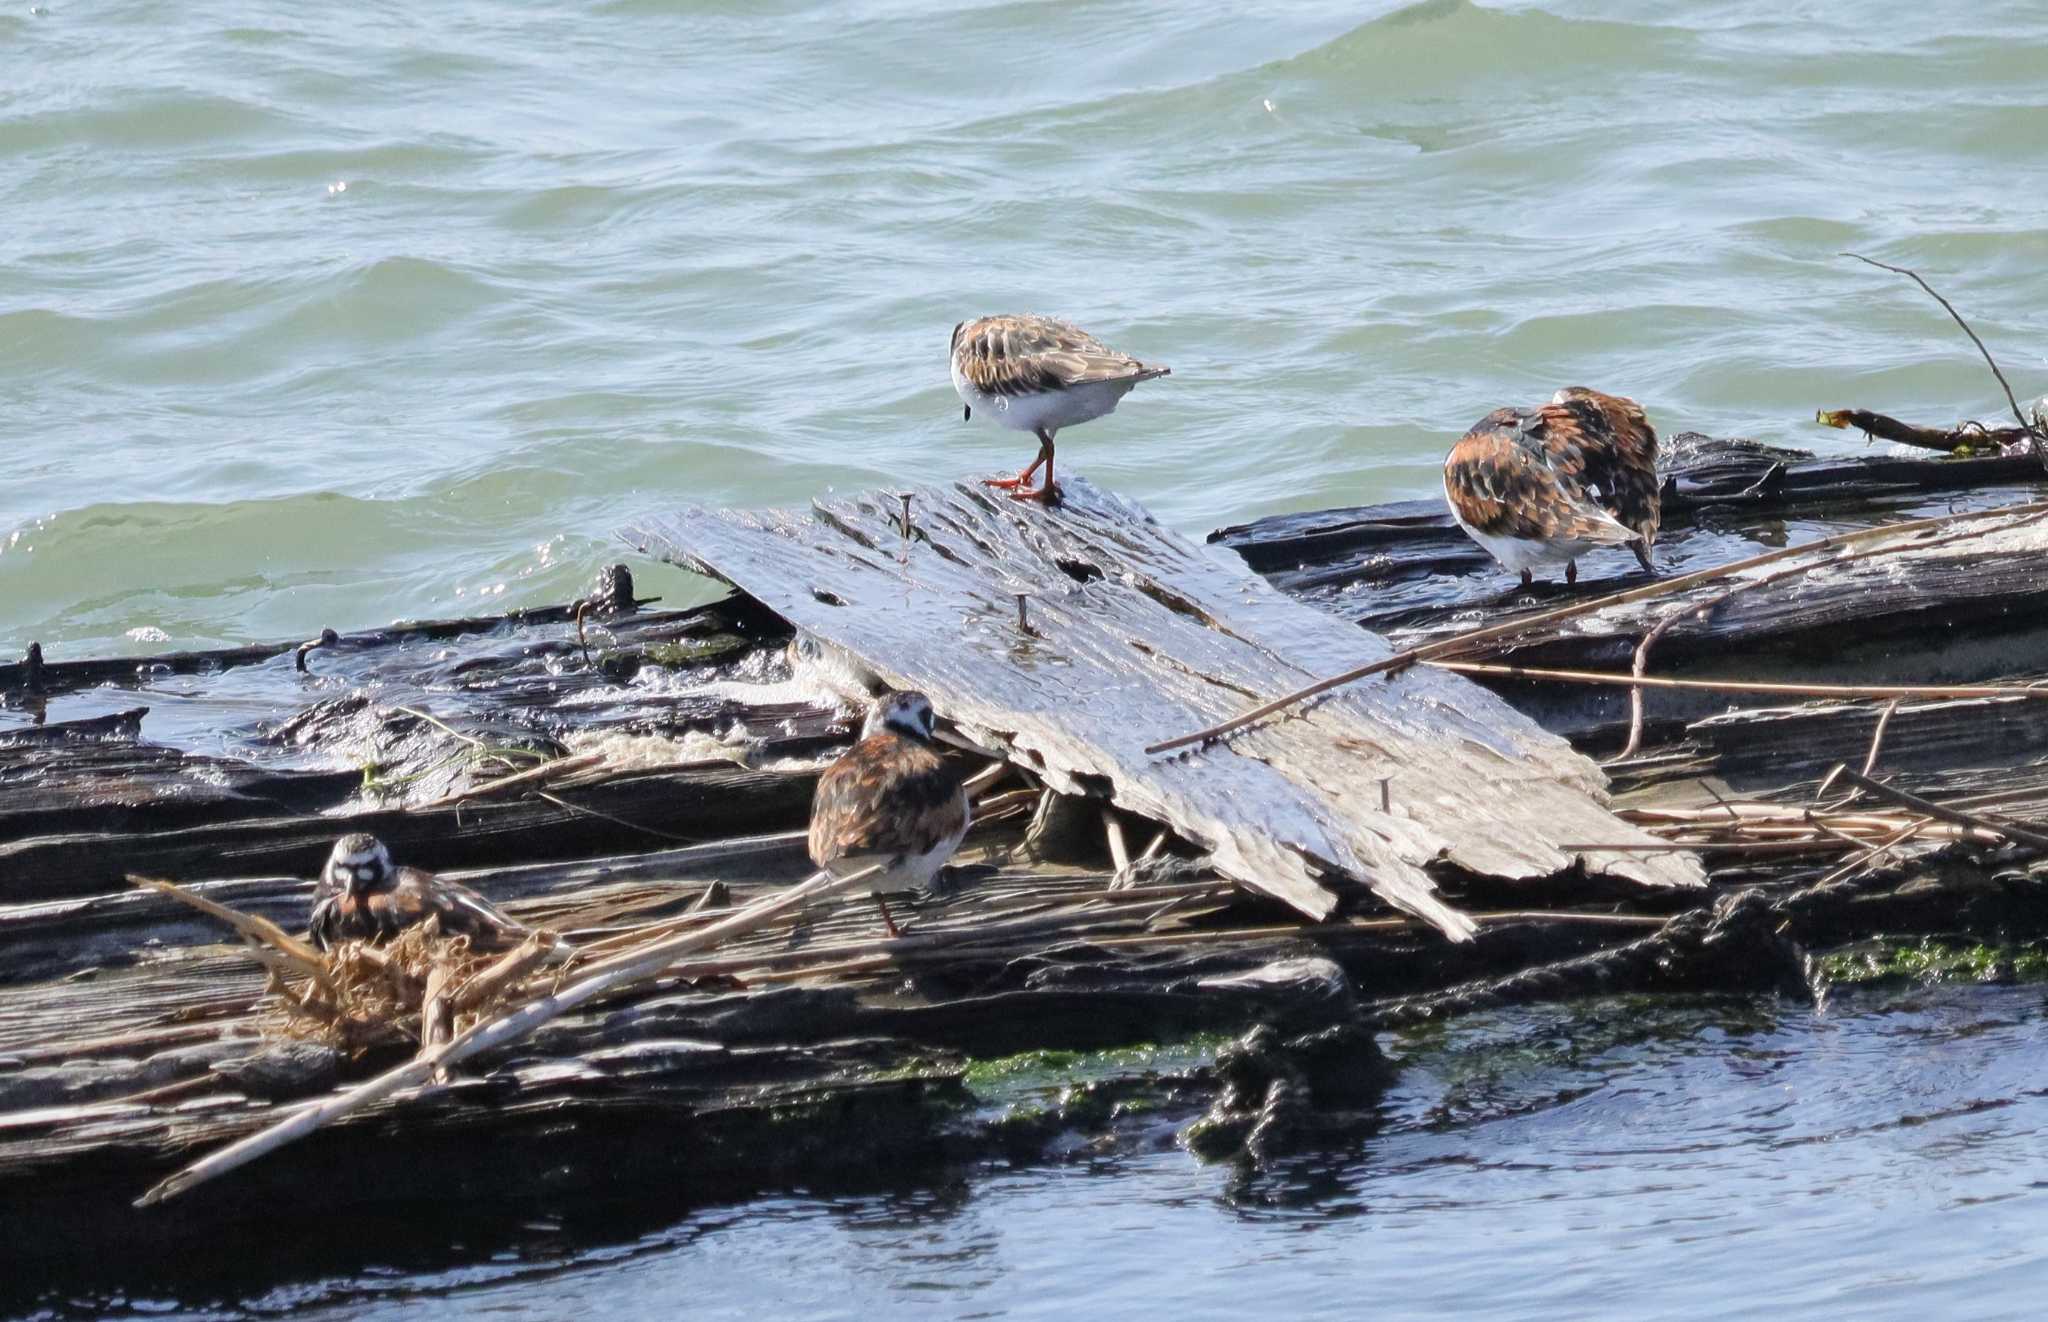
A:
{"points": [[1039, 374], [1540, 487], [362, 897], [891, 800]]}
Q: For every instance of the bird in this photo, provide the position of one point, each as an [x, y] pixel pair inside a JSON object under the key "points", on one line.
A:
{"points": [[1540, 487], [890, 800], [1039, 374], [362, 897]]}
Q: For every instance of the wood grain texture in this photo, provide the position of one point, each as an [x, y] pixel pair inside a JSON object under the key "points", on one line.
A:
{"points": [[1136, 634]]}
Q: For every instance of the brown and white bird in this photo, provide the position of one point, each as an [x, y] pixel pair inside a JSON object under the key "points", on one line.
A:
{"points": [[362, 897], [1540, 487], [1039, 374], [890, 800]]}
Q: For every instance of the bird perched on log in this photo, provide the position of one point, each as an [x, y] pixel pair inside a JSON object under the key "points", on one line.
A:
{"points": [[362, 897], [1039, 374], [1541, 487], [890, 800]]}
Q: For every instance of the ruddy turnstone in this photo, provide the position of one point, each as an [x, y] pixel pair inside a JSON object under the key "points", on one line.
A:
{"points": [[1541, 487], [1039, 374], [890, 799], [362, 897]]}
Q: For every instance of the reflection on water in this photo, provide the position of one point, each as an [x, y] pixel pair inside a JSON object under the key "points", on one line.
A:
{"points": [[1728, 1158]]}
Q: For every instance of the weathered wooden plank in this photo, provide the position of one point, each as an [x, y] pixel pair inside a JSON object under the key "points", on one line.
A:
{"points": [[1133, 634]]}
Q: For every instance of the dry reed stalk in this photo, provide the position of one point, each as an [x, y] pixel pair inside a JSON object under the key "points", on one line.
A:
{"points": [[1989, 361], [499, 978], [1742, 685], [437, 1015], [1735, 813], [296, 954], [1870, 856], [1358, 926], [1509, 628], [610, 976], [546, 771], [1640, 663], [2017, 834]]}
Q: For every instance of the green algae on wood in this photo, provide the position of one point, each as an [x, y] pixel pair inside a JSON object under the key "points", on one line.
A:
{"points": [[1931, 961]]}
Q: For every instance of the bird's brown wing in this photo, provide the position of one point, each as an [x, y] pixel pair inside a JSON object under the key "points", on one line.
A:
{"points": [[418, 896], [1606, 443], [1503, 479], [1027, 355], [887, 796]]}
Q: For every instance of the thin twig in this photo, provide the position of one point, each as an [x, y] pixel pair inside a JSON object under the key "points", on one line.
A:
{"points": [[560, 766], [1877, 736], [442, 726], [1741, 685], [1663, 588], [1705, 610], [1870, 856], [2017, 834], [296, 954], [1989, 361], [566, 806]]}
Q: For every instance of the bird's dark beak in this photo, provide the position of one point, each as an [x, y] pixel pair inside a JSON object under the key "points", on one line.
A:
{"points": [[966, 412]]}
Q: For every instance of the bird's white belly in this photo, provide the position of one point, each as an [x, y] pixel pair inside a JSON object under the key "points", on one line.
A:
{"points": [[1047, 409], [1517, 554]]}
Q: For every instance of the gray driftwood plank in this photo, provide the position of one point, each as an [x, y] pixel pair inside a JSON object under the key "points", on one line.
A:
{"points": [[1136, 634]]}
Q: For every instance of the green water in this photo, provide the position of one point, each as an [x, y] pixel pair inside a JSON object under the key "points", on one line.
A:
{"points": [[334, 315]]}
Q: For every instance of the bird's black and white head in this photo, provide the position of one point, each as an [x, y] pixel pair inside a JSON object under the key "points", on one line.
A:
{"points": [[908, 713], [359, 865]]}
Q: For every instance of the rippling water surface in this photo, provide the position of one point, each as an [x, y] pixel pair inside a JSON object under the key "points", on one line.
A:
{"points": [[1884, 1158], [336, 314]]}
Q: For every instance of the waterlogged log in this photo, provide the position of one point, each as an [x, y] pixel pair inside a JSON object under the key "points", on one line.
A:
{"points": [[651, 808], [1893, 617], [1071, 638], [1406, 565], [52, 784]]}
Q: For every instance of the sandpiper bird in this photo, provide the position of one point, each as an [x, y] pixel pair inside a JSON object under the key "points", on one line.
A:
{"points": [[362, 897], [1039, 374], [890, 799], [1541, 487]]}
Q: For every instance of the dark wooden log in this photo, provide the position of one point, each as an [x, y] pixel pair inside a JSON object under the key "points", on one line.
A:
{"points": [[643, 808], [1127, 634], [1406, 565], [112, 787]]}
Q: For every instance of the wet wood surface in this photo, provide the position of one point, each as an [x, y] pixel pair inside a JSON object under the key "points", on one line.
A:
{"points": [[1406, 570], [1970, 612], [1131, 634]]}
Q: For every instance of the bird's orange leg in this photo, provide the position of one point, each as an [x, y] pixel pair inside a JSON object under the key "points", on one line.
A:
{"points": [[1012, 483], [888, 922], [1022, 482], [1044, 491]]}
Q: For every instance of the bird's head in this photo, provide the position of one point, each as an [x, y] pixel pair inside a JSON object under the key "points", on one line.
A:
{"points": [[907, 713], [359, 865]]}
